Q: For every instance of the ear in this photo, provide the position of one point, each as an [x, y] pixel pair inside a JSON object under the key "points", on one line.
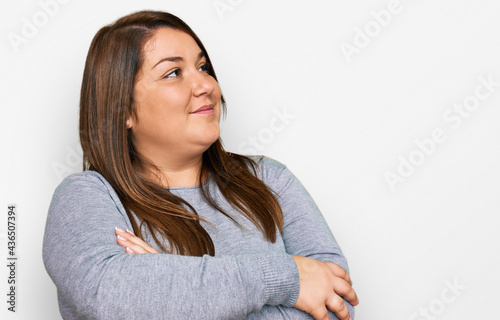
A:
{"points": [[129, 123]]}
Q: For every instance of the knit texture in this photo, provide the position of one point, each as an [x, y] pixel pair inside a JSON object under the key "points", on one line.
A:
{"points": [[248, 278]]}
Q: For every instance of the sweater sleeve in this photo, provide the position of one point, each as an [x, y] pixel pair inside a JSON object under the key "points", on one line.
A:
{"points": [[305, 231], [95, 279]]}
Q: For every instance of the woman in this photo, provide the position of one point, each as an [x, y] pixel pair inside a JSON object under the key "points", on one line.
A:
{"points": [[228, 236]]}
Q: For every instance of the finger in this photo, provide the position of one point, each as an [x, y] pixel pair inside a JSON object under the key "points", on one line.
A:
{"points": [[130, 246], [121, 231], [320, 314], [128, 239], [121, 237], [130, 236], [345, 290], [337, 305], [339, 272], [141, 243]]}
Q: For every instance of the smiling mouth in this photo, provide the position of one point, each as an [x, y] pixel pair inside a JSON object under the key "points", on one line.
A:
{"points": [[204, 110]]}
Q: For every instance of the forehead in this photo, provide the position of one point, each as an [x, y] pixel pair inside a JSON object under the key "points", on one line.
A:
{"points": [[168, 42]]}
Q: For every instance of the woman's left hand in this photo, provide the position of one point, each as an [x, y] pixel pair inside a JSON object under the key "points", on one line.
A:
{"points": [[132, 243]]}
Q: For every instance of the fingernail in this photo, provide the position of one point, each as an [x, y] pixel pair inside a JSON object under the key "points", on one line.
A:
{"points": [[130, 232], [129, 251], [121, 238], [119, 229]]}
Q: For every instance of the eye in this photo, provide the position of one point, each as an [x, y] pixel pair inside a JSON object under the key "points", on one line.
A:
{"points": [[173, 74], [205, 67]]}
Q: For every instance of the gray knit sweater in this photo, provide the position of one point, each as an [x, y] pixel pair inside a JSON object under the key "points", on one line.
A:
{"points": [[249, 277]]}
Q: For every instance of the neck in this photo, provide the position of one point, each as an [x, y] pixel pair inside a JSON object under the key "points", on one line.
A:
{"points": [[177, 173]]}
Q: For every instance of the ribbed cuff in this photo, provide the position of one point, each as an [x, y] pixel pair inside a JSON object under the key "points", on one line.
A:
{"points": [[281, 279]]}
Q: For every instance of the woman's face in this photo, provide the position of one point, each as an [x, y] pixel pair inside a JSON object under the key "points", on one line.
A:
{"points": [[177, 101]]}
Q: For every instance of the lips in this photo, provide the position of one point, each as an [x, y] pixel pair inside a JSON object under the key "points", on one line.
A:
{"points": [[204, 109]]}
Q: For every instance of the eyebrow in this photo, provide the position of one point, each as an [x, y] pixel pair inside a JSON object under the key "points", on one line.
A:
{"points": [[177, 59]]}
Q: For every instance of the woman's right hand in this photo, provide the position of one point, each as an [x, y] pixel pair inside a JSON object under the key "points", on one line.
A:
{"points": [[322, 286], [132, 243]]}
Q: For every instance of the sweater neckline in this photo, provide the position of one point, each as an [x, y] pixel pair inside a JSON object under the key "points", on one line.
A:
{"points": [[191, 187]]}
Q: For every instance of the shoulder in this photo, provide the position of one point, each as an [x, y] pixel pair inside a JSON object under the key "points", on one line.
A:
{"points": [[83, 179], [272, 172], [82, 198], [84, 185], [268, 167]]}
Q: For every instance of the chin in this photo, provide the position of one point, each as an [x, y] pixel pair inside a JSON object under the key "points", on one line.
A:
{"points": [[207, 138], [213, 139]]}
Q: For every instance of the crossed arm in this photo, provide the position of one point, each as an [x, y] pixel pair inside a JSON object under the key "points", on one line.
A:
{"points": [[97, 280], [324, 281], [322, 284]]}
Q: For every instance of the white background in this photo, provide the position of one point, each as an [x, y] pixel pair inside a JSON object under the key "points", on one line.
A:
{"points": [[354, 122]]}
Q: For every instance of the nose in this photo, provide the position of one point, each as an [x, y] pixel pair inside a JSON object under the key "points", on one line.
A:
{"points": [[203, 83]]}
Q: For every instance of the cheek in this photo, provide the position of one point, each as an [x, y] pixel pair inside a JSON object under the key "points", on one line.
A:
{"points": [[162, 104], [217, 91], [217, 94]]}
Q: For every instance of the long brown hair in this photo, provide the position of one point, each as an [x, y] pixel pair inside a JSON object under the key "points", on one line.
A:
{"points": [[107, 100]]}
